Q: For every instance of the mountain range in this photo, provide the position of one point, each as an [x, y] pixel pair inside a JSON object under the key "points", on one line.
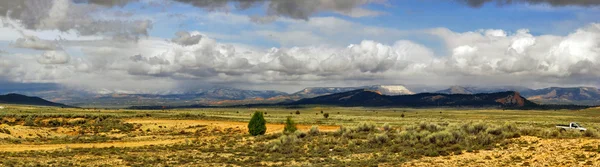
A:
{"points": [[552, 95], [218, 96], [509, 99], [223, 96]]}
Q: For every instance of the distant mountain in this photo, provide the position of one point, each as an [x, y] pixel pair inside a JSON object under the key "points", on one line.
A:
{"points": [[238, 94], [223, 96], [124, 99], [475, 90], [552, 95], [319, 91], [508, 99], [558, 95], [27, 100], [383, 89]]}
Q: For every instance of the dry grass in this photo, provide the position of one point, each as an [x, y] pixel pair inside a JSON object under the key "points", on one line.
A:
{"points": [[370, 136]]}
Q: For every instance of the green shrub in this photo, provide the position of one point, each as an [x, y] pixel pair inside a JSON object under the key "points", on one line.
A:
{"points": [[297, 112], [379, 138], [496, 131], [407, 136], [300, 134], [474, 128], [365, 127], [528, 131], [429, 127], [29, 121], [481, 140], [386, 127], [590, 133], [550, 133], [54, 123], [326, 115], [283, 144], [442, 138], [314, 130], [340, 131], [257, 125], [290, 126]]}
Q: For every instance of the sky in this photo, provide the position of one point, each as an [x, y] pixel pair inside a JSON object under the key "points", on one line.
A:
{"points": [[173, 46]]}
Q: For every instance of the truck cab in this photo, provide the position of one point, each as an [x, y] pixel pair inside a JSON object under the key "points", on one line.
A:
{"points": [[571, 126]]}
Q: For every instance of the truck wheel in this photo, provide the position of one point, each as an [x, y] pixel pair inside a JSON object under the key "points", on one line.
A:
{"points": [[562, 130], [581, 131]]}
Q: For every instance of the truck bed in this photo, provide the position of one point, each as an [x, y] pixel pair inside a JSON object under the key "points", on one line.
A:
{"points": [[564, 125]]}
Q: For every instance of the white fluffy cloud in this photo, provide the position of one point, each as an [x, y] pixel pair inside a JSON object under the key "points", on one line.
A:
{"points": [[66, 43], [520, 55], [491, 56], [54, 57], [33, 42]]}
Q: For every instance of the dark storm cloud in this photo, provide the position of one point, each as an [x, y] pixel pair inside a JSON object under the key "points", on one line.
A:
{"points": [[556, 3], [296, 9], [109, 3], [11, 87], [221, 4], [73, 15]]}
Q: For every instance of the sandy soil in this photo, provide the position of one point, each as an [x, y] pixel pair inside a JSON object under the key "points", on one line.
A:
{"points": [[525, 151]]}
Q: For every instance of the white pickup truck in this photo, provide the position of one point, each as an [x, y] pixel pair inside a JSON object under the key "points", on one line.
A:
{"points": [[571, 126]]}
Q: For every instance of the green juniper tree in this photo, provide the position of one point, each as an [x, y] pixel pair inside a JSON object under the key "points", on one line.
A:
{"points": [[257, 125]]}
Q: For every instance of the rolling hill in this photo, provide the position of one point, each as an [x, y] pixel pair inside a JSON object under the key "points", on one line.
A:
{"points": [[509, 99], [552, 95], [27, 100], [558, 95]]}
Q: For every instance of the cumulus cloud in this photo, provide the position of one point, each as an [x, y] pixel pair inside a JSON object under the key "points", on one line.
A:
{"points": [[54, 57], [585, 3], [65, 15], [522, 54], [185, 38], [33, 42], [306, 56]]}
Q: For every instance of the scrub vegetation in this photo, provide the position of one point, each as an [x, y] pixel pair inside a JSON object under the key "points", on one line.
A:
{"points": [[246, 136]]}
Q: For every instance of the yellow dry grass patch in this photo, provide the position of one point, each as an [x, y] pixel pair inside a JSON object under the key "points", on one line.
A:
{"points": [[27, 147], [19, 131], [271, 128]]}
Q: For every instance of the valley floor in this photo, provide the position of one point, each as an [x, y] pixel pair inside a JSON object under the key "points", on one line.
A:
{"points": [[32, 136]]}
